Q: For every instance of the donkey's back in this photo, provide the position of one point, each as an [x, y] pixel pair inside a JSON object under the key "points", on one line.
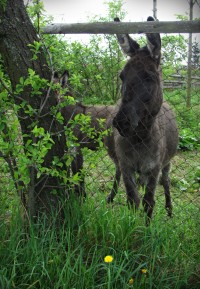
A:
{"points": [[167, 125]]}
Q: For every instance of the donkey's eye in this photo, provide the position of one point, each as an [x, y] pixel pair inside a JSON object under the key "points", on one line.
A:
{"points": [[146, 100], [149, 77]]}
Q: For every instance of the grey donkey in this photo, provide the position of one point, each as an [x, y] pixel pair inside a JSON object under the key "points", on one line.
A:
{"points": [[145, 134], [69, 112]]}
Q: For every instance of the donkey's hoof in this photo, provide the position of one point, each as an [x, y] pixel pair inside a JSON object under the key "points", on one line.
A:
{"points": [[109, 199], [169, 212]]}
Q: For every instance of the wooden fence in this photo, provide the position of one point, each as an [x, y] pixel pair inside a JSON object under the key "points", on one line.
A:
{"points": [[180, 81], [124, 27]]}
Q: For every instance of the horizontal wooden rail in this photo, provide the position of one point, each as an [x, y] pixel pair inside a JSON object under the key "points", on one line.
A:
{"points": [[124, 27]]}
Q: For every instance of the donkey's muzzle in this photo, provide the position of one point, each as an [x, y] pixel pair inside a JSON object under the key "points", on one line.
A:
{"points": [[122, 125], [126, 123]]}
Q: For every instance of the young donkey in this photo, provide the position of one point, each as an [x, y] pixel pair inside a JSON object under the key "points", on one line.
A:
{"points": [[69, 112], [145, 131]]}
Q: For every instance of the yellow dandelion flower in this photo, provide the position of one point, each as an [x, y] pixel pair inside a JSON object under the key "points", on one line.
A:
{"points": [[50, 261], [131, 281], [108, 259], [144, 271]]}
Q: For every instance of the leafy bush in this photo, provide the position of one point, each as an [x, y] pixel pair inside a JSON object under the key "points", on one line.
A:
{"points": [[187, 140]]}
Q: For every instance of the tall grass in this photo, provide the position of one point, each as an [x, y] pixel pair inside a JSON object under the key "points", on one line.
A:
{"points": [[71, 255]]}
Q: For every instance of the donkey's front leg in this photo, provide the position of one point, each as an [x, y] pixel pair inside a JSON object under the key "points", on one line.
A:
{"points": [[131, 190], [165, 181], [148, 200]]}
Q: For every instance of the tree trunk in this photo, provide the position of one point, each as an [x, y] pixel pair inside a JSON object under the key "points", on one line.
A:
{"points": [[16, 33]]}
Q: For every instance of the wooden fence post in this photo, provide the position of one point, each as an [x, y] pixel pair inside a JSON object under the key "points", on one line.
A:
{"points": [[189, 70], [155, 9]]}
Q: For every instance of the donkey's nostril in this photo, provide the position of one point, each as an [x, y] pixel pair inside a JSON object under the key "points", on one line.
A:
{"points": [[121, 122], [127, 121], [114, 122]]}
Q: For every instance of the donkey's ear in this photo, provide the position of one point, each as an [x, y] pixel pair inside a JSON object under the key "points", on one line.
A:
{"points": [[154, 43], [55, 77], [64, 79], [127, 44]]}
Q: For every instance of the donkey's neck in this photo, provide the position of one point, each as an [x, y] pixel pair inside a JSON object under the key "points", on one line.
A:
{"points": [[143, 132]]}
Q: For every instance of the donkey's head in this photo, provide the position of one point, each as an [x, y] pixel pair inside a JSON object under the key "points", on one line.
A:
{"points": [[141, 84]]}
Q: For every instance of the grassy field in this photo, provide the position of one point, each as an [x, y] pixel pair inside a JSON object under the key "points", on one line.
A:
{"points": [[163, 255]]}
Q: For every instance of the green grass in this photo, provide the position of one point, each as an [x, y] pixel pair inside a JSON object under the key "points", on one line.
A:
{"points": [[72, 255]]}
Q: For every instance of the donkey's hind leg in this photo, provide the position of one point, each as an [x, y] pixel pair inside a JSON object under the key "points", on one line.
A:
{"points": [[113, 192], [77, 166], [165, 182]]}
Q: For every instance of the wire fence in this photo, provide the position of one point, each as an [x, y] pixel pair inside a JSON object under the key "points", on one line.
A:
{"points": [[99, 170]]}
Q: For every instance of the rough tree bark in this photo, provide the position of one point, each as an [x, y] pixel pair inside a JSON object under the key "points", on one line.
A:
{"points": [[16, 32]]}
